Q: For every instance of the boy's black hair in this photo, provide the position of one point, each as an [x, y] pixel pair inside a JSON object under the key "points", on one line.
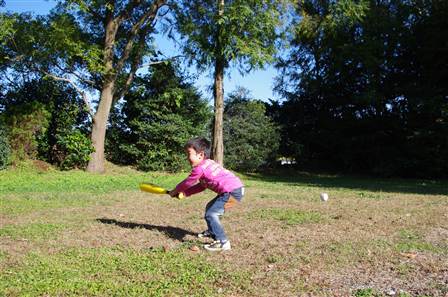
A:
{"points": [[199, 144]]}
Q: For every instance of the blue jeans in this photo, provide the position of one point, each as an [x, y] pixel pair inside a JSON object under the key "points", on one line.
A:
{"points": [[216, 208]]}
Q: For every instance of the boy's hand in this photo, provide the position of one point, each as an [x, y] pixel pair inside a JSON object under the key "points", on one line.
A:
{"points": [[175, 194]]}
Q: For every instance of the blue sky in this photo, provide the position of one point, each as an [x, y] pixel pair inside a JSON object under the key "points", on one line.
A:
{"points": [[259, 82]]}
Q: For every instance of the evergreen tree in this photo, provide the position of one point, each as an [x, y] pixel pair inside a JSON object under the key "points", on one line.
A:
{"points": [[369, 96], [251, 139], [158, 116]]}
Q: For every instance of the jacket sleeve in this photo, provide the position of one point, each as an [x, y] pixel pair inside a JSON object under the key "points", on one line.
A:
{"points": [[197, 188], [190, 181]]}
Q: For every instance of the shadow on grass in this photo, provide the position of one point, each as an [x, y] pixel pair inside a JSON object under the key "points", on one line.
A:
{"points": [[411, 186], [171, 232]]}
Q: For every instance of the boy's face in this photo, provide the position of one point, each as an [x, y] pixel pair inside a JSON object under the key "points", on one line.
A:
{"points": [[194, 157]]}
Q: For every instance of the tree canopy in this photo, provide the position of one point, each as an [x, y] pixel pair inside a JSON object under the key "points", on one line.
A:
{"points": [[368, 97], [93, 45], [217, 33], [362, 83]]}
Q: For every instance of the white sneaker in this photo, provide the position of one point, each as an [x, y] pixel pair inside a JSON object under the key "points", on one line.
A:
{"points": [[205, 234], [218, 246]]}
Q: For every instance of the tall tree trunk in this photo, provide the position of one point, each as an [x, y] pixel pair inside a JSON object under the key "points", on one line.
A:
{"points": [[218, 142], [141, 27], [96, 163]]}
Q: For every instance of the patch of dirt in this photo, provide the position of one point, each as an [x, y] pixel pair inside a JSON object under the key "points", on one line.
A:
{"points": [[41, 165], [438, 236]]}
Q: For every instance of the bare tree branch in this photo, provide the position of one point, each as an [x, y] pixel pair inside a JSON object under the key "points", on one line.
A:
{"points": [[11, 81], [134, 66], [126, 12], [81, 92], [89, 82], [150, 15], [160, 62], [160, 15], [131, 75]]}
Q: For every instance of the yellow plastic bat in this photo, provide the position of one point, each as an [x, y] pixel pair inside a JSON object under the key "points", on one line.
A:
{"points": [[152, 188]]}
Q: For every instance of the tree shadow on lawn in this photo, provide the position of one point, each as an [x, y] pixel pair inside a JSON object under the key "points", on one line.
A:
{"points": [[172, 232], [397, 185]]}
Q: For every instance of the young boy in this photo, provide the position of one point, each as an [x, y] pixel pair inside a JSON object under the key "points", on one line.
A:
{"points": [[207, 174]]}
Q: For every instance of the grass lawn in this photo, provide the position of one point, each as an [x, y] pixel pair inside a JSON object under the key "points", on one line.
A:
{"points": [[78, 234]]}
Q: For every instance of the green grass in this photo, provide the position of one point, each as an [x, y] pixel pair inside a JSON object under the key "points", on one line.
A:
{"points": [[3, 255], [25, 190], [30, 202], [367, 187], [31, 231], [367, 224], [22, 181], [411, 241], [288, 216], [110, 272], [343, 252], [375, 195], [367, 292]]}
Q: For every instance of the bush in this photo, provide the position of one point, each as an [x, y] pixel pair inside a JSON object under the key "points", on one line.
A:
{"points": [[73, 150], [251, 139], [160, 157], [42, 117], [5, 150], [26, 124]]}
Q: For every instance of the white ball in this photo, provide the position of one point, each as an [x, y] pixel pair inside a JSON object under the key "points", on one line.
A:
{"points": [[323, 196]]}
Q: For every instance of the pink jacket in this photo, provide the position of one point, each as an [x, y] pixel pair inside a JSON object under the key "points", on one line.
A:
{"points": [[209, 175]]}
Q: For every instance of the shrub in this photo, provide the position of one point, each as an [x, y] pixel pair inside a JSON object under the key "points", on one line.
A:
{"points": [[26, 123], [73, 150], [41, 116], [159, 157], [251, 139], [5, 150]]}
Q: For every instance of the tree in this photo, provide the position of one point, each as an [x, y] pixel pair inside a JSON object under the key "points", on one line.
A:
{"points": [[90, 44], [368, 96], [160, 113], [45, 120], [251, 138], [217, 33]]}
